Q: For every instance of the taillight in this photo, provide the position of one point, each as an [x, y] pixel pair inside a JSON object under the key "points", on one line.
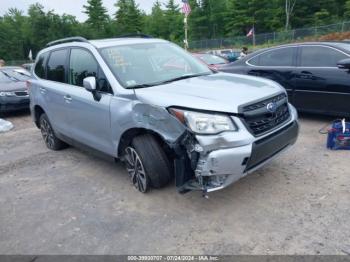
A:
{"points": [[28, 84]]}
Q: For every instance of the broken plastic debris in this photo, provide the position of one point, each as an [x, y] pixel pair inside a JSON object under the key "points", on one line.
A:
{"points": [[5, 126]]}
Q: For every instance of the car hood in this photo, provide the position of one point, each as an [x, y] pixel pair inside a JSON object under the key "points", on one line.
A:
{"points": [[219, 92], [13, 86]]}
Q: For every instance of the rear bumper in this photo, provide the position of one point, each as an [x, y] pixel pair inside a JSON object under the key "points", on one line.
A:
{"points": [[14, 103], [221, 167]]}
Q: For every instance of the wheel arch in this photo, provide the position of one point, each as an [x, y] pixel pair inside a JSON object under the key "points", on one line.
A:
{"points": [[127, 137], [38, 111]]}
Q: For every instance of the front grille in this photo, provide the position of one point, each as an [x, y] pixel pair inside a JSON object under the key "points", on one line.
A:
{"points": [[21, 93], [260, 120]]}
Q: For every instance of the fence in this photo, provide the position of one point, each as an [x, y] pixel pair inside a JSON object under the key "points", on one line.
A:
{"points": [[271, 38], [17, 62]]}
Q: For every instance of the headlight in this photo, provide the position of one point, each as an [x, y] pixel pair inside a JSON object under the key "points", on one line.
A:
{"points": [[203, 123], [7, 94]]}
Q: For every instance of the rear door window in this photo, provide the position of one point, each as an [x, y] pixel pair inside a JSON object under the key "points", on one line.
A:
{"points": [[320, 56], [277, 57], [56, 66]]}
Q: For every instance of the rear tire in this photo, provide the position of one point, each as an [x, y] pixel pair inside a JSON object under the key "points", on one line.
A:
{"points": [[48, 134], [147, 163]]}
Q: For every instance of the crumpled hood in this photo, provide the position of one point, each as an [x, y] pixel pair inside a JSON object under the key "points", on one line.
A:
{"points": [[217, 92], [13, 86]]}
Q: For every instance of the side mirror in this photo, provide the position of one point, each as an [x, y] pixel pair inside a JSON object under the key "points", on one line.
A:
{"points": [[89, 84], [344, 64]]}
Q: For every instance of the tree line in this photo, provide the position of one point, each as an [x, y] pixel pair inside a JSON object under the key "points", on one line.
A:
{"points": [[20, 33]]}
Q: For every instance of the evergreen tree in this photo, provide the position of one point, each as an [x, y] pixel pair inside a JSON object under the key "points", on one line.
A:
{"points": [[347, 10], [174, 22], [209, 19], [129, 18], [196, 30], [97, 16], [155, 22]]}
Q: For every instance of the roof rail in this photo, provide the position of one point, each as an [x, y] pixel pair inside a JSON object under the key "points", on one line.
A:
{"points": [[135, 35], [67, 40]]}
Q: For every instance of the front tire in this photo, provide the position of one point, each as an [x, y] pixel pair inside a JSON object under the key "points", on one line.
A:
{"points": [[147, 163], [48, 134]]}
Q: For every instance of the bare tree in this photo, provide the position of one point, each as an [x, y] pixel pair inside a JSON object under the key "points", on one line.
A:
{"points": [[290, 4]]}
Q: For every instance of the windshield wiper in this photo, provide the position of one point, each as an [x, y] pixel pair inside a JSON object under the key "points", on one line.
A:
{"points": [[11, 77], [21, 73], [168, 81], [183, 77], [141, 86]]}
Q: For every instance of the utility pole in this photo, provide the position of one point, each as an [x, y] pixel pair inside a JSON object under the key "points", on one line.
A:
{"points": [[186, 32], [254, 40]]}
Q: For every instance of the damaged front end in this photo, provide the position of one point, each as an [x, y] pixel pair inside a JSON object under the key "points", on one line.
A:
{"points": [[212, 162], [204, 158], [203, 168], [213, 150]]}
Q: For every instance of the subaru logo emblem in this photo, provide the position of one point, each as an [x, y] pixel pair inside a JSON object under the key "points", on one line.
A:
{"points": [[271, 107]]}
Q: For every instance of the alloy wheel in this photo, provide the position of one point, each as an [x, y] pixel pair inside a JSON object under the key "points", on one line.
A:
{"points": [[47, 133], [136, 170]]}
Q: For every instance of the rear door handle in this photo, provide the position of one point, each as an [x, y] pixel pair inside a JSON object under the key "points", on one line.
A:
{"points": [[68, 98], [42, 90], [305, 75]]}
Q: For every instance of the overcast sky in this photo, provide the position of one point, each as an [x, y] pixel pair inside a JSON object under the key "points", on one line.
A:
{"points": [[72, 7]]}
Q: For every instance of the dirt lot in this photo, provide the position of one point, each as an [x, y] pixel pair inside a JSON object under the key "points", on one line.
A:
{"points": [[71, 202]]}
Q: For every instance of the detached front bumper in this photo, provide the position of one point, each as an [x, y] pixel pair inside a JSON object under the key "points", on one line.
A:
{"points": [[14, 103], [227, 157]]}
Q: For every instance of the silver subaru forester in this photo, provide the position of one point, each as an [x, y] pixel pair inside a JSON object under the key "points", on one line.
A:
{"points": [[162, 112]]}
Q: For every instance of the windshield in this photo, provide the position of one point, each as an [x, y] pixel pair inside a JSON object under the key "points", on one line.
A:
{"points": [[152, 63], [4, 78], [212, 59]]}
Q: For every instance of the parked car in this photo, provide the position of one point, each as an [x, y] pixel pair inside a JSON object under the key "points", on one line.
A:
{"points": [[212, 61], [315, 75], [120, 97], [28, 66], [229, 54], [13, 90]]}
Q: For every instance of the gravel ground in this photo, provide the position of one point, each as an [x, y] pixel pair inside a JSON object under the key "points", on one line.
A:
{"points": [[71, 202]]}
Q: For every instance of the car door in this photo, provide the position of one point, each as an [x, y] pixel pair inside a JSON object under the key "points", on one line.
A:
{"points": [[89, 115], [320, 85], [276, 64], [54, 90]]}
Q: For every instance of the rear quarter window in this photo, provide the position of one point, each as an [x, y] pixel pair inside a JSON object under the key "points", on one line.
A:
{"points": [[39, 69], [277, 57]]}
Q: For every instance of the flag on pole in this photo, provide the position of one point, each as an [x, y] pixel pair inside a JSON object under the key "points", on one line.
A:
{"points": [[251, 32], [30, 55], [186, 8]]}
